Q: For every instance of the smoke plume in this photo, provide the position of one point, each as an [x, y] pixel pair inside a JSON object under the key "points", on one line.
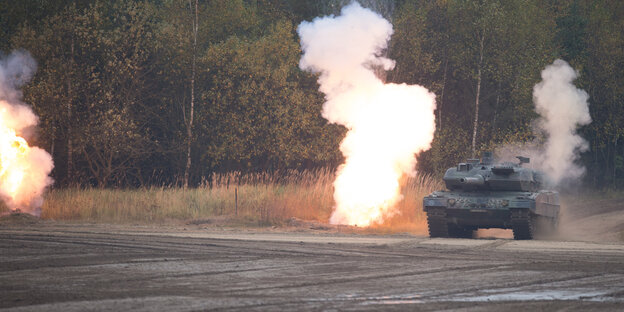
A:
{"points": [[24, 170], [387, 123], [562, 108]]}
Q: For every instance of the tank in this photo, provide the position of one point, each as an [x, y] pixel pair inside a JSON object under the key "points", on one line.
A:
{"points": [[484, 194]]}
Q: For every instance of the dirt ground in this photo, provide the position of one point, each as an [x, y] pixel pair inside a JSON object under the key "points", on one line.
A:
{"points": [[54, 266]]}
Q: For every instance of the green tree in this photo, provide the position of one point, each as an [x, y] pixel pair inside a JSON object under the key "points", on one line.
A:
{"points": [[263, 114], [420, 47], [58, 45], [16, 14], [489, 53], [602, 77], [93, 71], [476, 26]]}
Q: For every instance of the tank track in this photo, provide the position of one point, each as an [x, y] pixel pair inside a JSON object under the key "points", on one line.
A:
{"points": [[523, 224], [436, 220], [459, 231]]}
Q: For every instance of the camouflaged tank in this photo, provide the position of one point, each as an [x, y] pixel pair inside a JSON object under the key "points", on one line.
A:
{"points": [[482, 194]]}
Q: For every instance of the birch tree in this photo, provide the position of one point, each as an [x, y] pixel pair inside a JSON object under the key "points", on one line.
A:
{"points": [[476, 24], [189, 114]]}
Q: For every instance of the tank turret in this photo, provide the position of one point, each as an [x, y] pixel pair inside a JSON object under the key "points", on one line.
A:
{"points": [[484, 175]]}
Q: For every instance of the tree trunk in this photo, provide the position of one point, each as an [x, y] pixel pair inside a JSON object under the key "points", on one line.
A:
{"points": [[69, 117], [442, 96], [189, 122], [476, 118], [496, 107], [615, 153], [53, 139]]}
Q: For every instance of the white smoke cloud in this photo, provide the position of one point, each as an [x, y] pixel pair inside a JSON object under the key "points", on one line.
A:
{"points": [[24, 170], [387, 123], [16, 70], [562, 108]]}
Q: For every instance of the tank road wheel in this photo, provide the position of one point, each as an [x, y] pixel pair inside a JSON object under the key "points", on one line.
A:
{"points": [[457, 231], [436, 219], [523, 224]]}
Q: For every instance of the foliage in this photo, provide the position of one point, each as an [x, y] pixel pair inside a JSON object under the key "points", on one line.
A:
{"points": [[256, 114], [113, 83]]}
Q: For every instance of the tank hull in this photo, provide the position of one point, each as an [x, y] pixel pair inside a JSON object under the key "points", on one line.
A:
{"points": [[458, 213]]}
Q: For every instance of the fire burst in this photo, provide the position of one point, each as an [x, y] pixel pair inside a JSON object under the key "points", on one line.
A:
{"points": [[24, 170], [387, 123]]}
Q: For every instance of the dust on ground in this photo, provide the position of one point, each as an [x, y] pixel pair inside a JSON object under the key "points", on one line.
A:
{"points": [[18, 218], [308, 266], [80, 267], [592, 217]]}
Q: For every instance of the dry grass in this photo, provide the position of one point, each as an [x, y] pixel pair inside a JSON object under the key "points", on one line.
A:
{"points": [[262, 200], [410, 216]]}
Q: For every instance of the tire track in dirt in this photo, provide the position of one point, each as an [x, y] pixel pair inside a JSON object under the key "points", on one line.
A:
{"points": [[64, 268]]}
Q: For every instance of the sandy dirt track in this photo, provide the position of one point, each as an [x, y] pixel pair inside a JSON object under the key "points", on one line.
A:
{"points": [[81, 267]]}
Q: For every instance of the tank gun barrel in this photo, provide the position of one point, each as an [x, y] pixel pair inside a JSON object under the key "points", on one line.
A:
{"points": [[474, 180]]}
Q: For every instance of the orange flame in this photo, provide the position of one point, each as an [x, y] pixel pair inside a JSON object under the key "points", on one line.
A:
{"points": [[394, 123], [23, 169]]}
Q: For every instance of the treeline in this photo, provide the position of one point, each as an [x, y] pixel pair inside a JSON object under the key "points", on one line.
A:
{"points": [[133, 93]]}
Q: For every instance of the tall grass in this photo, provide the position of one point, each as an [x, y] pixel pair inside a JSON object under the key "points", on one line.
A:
{"points": [[261, 199], [409, 216]]}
